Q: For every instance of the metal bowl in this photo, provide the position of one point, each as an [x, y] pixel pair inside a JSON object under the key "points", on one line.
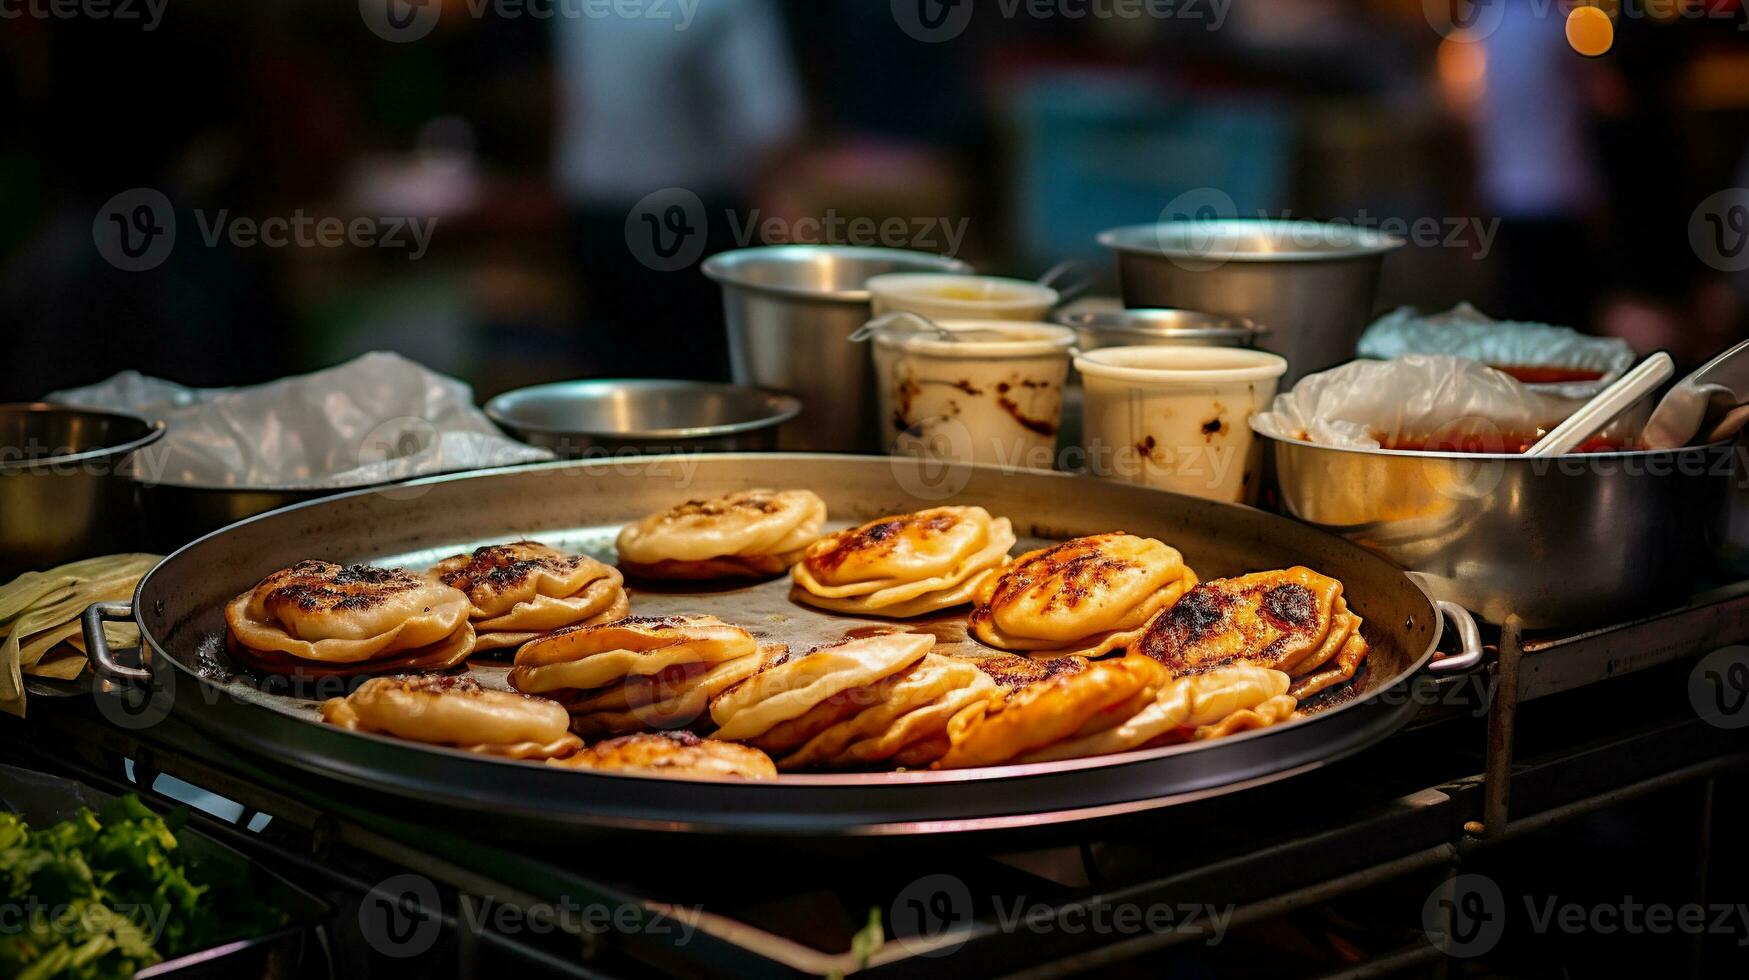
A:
{"points": [[577, 419], [61, 497], [1311, 284], [1159, 328], [790, 310], [1564, 541]]}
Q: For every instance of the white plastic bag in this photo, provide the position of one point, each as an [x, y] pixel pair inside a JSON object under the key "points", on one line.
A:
{"points": [[375, 419], [1465, 331], [1427, 401]]}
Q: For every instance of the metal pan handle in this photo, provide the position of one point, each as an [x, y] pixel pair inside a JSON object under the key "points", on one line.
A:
{"points": [[102, 660], [1469, 639]]}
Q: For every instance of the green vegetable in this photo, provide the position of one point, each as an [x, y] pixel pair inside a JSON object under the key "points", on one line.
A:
{"points": [[98, 897]]}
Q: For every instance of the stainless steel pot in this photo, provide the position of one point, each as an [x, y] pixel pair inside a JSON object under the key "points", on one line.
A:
{"points": [[61, 497], [1310, 284], [577, 419], [790, 310], [1183, 328], [1569, 541]]}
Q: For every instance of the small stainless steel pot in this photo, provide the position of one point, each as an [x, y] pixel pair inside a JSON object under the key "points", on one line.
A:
{"points": [[61, 497], [1311, 284], [1160, 327], [790, 310], [1568, 541], [584, 418]]}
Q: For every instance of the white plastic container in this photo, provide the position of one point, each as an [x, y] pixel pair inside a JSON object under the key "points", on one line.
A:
{"points": [[994, 399], [942, 296], [1177, 418]]}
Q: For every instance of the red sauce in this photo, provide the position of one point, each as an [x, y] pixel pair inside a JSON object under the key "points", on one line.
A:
{"points": [[1547, 374], [1480, 444]]}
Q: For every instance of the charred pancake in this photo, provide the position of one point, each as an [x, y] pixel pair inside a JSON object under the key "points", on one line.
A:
{"points": [[748, 533], [919, 736], [1085, 596], [849, 716], [457, 712], [675, 754], [675, 697], [1293, 620], [906, 565], [1177, 708], [792, 687], [589, 657], [331, 614], [1026, 719]]}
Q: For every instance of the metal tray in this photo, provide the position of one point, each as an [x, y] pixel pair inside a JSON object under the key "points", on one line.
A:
{"points": [[581, 505]]}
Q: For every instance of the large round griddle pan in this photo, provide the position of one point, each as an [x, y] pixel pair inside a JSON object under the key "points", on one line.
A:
{"points": [[581, 505]]}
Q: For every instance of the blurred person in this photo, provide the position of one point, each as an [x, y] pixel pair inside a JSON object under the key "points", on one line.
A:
{"points": [[1537, 169], [646, 104]]}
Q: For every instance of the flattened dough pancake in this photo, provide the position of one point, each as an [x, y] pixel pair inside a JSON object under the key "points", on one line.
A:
{"points": [[824, 731], [925, 723], [790, 688], [458, 712], [678, 697], [1085, 596], [903, 566], [1025, 719], [452, 651], [1180, 703], [500, 578], [587, 657], [1294, 620], [757, 526], [334, 614], [674, 754]]}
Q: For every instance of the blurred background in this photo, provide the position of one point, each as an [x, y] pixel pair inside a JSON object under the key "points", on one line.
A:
{"points": [[222, 193]]}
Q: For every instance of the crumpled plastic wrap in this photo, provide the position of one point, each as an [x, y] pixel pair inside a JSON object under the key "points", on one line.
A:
{"points": [[1466, 331], [1418, 400], [375, 419]]}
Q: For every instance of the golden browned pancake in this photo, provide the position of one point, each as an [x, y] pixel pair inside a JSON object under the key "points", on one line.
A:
{"points": [[792, 687], [521, 590], [457, 712], [904, 566], [676, 754], [1085, 596], [590, 657], [342, 617], [1293, 620], [748, 533], [1025, 719]]}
